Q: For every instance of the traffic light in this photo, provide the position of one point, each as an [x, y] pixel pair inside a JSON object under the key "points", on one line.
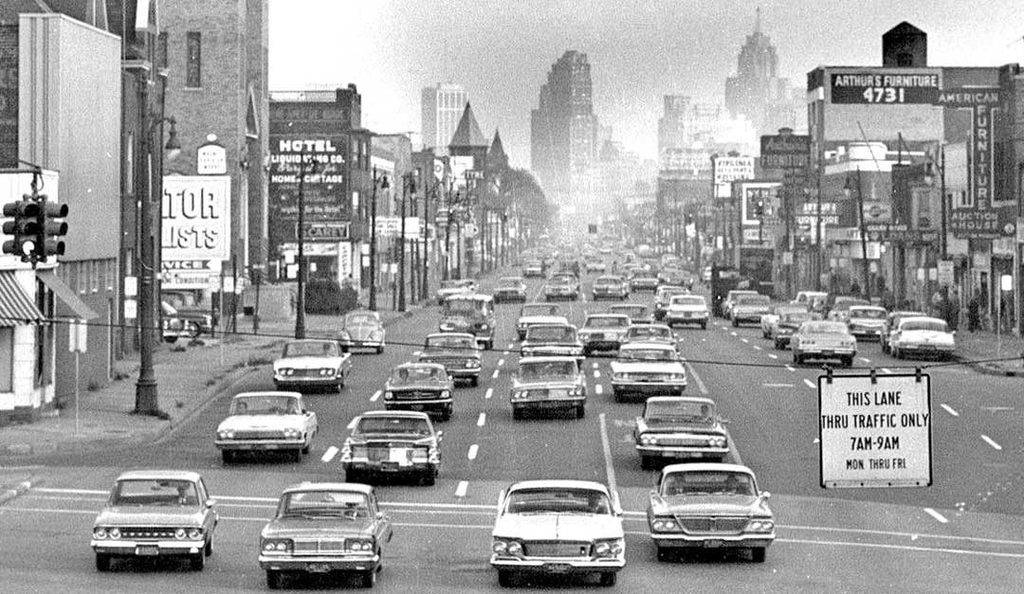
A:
{"points": [[24, 229], [49, 229]]}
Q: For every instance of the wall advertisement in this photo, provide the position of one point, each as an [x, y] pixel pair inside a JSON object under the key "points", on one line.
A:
{"points": [[196, 218], [728, 170]]}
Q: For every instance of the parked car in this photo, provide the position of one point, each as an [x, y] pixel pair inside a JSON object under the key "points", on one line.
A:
{"points": [[392, 442], [472, 313], [659, 333], [922, 337], [610, 287], [663, 296], [748, 308], [424, 387], [866, 321], [156, 513], [770, 319], [557, 527], [673, 427], [789, 322], [323, 528], [455, 287], [312, 363], [840, 309], [362, 329], [892, 321], [548, 383], [533, 268], [177, 325], [510, 288], [687, 309], [538, 313], [709, 505], [823, 340], [636, 312], [647, 369], [198, 316], [456, 351], [552, 340], [603, 332], [266, 421]]}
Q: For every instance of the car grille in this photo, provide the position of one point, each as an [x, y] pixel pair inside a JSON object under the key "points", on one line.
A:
{"points": [[417, 395], [306, 372], [381, 451], [144, 532], [316, 547], [713, 525], [648, 377], [258, 434], [451, 363], [679, 441], [556, 549]]}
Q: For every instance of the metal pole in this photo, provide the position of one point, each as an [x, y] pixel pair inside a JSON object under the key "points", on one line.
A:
{"points": [[942, 199], [401, 248], [234, 293], [373, 243], [300, 298], [863, 241], [146, 399]]}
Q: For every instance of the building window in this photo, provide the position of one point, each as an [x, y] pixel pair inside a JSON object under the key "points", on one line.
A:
{"points": [[6, 359], [193, 60]]}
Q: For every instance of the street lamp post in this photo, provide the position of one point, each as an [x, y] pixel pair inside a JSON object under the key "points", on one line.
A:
{"points": [[408, 185], [382, 180], [863, 234], [300, 298]]}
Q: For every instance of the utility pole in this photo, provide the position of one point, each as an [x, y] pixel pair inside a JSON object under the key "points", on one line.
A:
{"points": [[863, 240], [383, 181], [942, 200], [300, 299], [406, 183]]}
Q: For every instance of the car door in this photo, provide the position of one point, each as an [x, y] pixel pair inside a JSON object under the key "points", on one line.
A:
{"points": [[382, 530], [210, 517]]}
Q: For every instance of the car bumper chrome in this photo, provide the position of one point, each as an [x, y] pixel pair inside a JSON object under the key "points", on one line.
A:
{"points": [[684, 318], [361, 344], [649, 387], [682, 451], [319, 563], [549, 403], [385, 467], [710, 541], [282, 381], [259, 444], [143, 548], [558, 564], [419, 405]]}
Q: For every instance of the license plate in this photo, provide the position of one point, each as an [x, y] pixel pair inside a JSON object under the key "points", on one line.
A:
{"points": [[712, 544], [271, 446], [416, 407], [147, 550], [318, 568], [557, 567], [389, 466], [828, 352]]}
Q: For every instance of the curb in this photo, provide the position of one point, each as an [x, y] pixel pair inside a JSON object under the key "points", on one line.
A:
{"points": [[16, 491], [989, 369]]}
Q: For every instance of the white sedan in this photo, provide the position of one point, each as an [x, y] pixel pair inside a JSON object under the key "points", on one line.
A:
{"points": [[312, 363], [269, 421], [924, 337]]}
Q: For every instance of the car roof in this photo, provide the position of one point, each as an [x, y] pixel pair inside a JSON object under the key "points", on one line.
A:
{"points": [[268, 393], [468, 297], [871, 307], [451, 334], [312, 486], [699, 399], [558, 483], [705, 467], [409, 414], [558, 324], [547, 359], [921, 319], [409, 364], [174, 475], [651, 325], [606, 315], [638, 346]]}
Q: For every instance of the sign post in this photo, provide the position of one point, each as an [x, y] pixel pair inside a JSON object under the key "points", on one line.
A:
{"points": [[875, 430], [77, 344]]}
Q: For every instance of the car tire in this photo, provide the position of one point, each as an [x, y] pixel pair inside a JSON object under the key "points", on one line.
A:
{"points": [[197, 561], [506, 578], [665, 554], [758, 554], [296, 455], [102, 562], [474, 381], [193, 330], [170, 339], [735, 323], [778, 345], [517, 414], [895, 352], [208, 549], [581, 411], [848, 362], [428, 478], [275, 579], [798, 359], [704, 326], [608, 578], [617, 396], [368, 579], [646, 462], [380, 350]]}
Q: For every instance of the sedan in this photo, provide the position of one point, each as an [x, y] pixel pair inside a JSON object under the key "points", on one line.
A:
{"points": [[892, 321], [362, 329], [637, 312], [510, 288], [823, 340], [659, 333], [312, 363], [647, 369], [687, 309], [603, 332], [673, 427], [425, 387], [866, 321], [610, 287], [923, 337], [269, 422], [390, 443]]}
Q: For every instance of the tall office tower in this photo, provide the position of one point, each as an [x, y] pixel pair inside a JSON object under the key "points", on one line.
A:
{"points": [[441, 108]]}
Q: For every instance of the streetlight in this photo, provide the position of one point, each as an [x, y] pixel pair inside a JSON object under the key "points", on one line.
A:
{"points": [[408, 186], [847, 188], [300, 298], [381, 180], [146, 400]]}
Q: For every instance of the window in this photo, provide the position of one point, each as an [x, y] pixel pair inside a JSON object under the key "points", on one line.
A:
{"points": [[193, 60], [6, 359]]}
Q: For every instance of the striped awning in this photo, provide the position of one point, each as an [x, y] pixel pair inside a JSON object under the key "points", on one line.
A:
{"points": [[16, 307]]}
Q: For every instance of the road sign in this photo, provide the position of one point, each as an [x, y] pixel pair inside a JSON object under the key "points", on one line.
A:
{"points": [[875, 430], [877, 212]]}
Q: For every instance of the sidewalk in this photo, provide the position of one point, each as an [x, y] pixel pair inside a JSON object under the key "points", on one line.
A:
{"points": [[188, 377], [981, 346]]}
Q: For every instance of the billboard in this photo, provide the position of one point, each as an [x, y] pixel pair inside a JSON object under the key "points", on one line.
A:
{"points": [[728, 170], [196, 218], [985, 215], [886, 86]]}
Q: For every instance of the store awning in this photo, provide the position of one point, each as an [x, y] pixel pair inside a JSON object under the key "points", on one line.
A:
{"points": [[16, 307], [65, 294]]}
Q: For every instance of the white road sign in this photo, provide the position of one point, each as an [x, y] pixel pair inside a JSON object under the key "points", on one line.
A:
{"points": [[875, 431]]}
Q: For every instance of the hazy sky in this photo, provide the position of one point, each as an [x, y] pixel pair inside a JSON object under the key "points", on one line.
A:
{"points": [[501, 50]]}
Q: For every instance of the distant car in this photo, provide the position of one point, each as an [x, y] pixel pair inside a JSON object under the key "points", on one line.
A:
{"points": [[663, 296], [673, 427], [557, 527], [647, 369], [610, 287], [392, 442], [892, 321], [325, 528], [510, 288], [671, 277], [538, 313], [472, 313], [533, 268], [659, 333], [596, 265], [156, 513], [789, 322], [709, 505], [643, 280], [813, 300], [730, 300], [748, 308], [177, 324], [922, 337], [840, 309], [552, 340], [196, 314], [312, 363], [687, 309], [561, 287], [770, 319], [266, 421], [362, 329], [823, 340], [547, 383], [603, 332], [456, 351], [637, 312], [424, 387], [455, 287], [866, 321]]}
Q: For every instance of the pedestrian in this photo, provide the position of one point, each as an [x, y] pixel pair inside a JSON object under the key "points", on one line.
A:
{"points": [[952, 311], [973, 312]]}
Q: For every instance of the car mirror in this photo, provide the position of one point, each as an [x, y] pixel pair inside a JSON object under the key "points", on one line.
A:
{"points": [[380, 516], [440, 434], [724, 421], [210, 503], [765, 495]]}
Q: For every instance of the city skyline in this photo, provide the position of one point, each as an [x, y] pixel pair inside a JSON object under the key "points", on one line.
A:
{"points": [[683, 50]]}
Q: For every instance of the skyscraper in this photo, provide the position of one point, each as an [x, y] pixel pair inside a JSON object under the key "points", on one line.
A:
{"points": [[672, 125], [563, 130], [441, 108]]}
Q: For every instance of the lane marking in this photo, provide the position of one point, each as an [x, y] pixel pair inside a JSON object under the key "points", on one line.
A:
{"points": [[757, 348], [489, 393], [790, 367], [609, 468], [744, 341], [597, 374], [594, 364], [375, 396], [778, 385], [732, 333], [941, 518], [483, 419], [700, 383], [352, 423], [460, 491], [495, 374], [329, 454], [866, 360], [473, 449], [511, 346], [417, 353], [599, 389], [886, 370], [772, 356], [991, 442], [809, 383], [950, 410], [501, 362]]}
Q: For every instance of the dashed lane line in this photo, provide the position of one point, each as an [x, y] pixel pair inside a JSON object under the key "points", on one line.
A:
{"points": [[809, 383], [481, 420], [473, 450], [772, 356], [733, 334], [700, 383], [950, 410], [375, 396], [791, 368], [991, 442], [939, 517], [864, 359], [417, 353], [594, 364], [778, 385], [606, 448], [329, 454], [744, 340], [460, 490], [489, 393], [495, 374], [501, 362], [599, 389], [757, 348], [597, 374]]}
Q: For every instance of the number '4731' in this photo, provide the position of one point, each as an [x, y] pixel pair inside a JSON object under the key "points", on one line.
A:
{"points": [[883, 95]]}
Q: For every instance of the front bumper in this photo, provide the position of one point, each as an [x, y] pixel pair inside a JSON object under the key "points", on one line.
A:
{"points": [[604, 344], [551, 351], [350, 343], [143, 548], [284, 382], [387, 467], [644, 286], [548, 403], [817, 351], [712, 541], [259, 444], [509, 296], [648, 388], [608, 294], [866, 332], [434, 405], [319, 563], [925, 349], [557, 565], [682, 451], [685, 318], [747, 316]]}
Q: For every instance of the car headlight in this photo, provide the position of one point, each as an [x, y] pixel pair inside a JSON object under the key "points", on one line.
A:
{"points": [[291, 433], [388, 395], [114, 533], [99, 533], [609, 548], [716, 441], [226, 434], [618, 377], [665, 525], [473, 363], [446, 394], [499, 547], [327, 371], [648, 440], [285, 371], [277, 545], [195, 533], [762, 525], [359, 545], [180, 534], [344, 335], [483, 326], [677, 376], [515, 548], [577, 390], [376, 335]]}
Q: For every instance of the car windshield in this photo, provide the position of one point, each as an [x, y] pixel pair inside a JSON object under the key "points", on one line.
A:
{"points": [[648, 354], [649, 332], [536, 370], [540, 309], [412, 374], [687, 300], [318, 348], [848, 303], [929, 325], [393, 425], [457, 284], [155, 492], [451, 342], [320, 503], [361, 318], [707, 483], [629, 310], [678, 411], [461, 307], [753, 300], [870, 313], [510, 282], [551, 333], [823, 328], [797, 317], [270, 404], [557, 501], [607, 322]]}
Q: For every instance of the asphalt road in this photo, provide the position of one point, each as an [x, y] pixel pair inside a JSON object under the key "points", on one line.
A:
{"points": [[962, 533]]}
